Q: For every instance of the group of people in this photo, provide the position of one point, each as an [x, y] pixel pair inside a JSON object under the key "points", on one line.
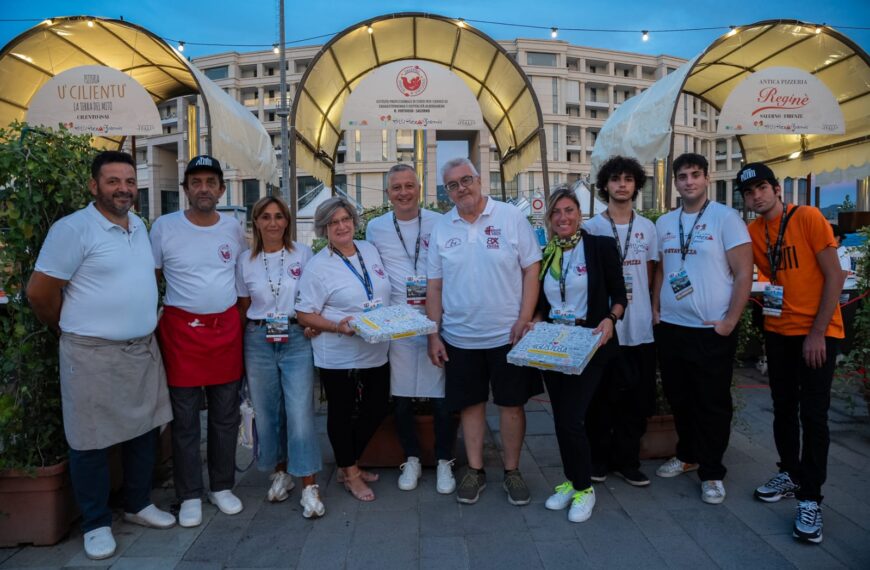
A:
{"points": [[272, 311]]}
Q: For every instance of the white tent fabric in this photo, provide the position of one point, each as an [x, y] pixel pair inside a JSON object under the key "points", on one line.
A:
{"points": [[237, 137], [582, 191]]}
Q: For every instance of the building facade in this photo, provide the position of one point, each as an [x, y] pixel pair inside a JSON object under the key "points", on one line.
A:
{"points": [[577, 87]]}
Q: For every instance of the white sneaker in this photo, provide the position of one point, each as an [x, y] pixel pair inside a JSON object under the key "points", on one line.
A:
{"points": [[712, 492], [673, 467], [581, 505], [311, 504], [282, 484], [446, 482], [99, 543], [410, 474], [228, 503], [152, 517], [190, 513], [562, 497]]}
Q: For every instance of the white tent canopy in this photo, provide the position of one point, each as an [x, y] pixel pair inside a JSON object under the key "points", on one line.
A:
{"points": [[642, 127]]}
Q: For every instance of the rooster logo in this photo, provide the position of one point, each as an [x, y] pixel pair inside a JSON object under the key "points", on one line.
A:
{"points": [[412, 81]]}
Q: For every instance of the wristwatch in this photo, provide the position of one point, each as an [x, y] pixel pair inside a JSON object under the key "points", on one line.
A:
{"points": [[613, 318]]}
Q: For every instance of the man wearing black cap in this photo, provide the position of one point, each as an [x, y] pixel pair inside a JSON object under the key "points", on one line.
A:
{"points": [[201, 336], [794, 247]]}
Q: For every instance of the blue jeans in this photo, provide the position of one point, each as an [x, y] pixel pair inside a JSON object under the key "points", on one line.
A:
{"points": [[281, 381]]}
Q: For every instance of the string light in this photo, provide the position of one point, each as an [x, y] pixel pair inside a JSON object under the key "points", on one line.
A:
{"points": [[90, 23], [180, 46], [644, 35], [275, 48], [370, 30], [554, 33], [819, 29], [460, 22], [732, 31]]}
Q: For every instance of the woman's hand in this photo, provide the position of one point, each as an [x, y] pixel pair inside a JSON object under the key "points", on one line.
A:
{"points": [[344, 328], [310, 332], [605, 327]]}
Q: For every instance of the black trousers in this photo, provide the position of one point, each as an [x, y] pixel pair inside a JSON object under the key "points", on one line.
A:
{"points": [[445, 427], [89, 471], [696, 366], [570, 397], [223, 433], [350, 427], [616, 420], [801, 398]]}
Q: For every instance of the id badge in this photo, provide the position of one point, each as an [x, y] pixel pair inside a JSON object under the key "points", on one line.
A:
{"points": [[566, 315], [680, 283], [277, 327], [772, 301], [415, 289], [375, 303], [628, 285]]}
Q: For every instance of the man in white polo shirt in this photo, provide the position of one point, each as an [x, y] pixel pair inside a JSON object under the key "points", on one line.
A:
{"points": [[483, 285], [200, 333], [402, 238], [94, 282], [616, 419], [700, 289]]}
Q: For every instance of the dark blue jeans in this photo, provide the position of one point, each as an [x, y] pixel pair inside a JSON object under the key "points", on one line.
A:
{"points": [[445, 428], [89, 470]]}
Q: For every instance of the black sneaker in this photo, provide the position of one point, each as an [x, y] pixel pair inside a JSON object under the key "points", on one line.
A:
{"points": [[599, 473], [473, 482], [517, 490], [633, 477], [780, 486], [808, 522]]}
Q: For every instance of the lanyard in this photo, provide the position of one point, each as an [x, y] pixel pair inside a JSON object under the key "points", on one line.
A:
{"points": [[364, 278], [565, 269], [774, 256], [276, 290], [684, 245], [417, 245], [624, 252]]}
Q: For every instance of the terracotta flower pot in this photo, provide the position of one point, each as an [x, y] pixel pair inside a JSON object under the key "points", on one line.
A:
{"points": [[36, 509], [660, 439], [384, 449]]}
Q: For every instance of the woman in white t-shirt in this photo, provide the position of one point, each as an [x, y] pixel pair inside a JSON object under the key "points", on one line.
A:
{"points": [[278, 358], [345, 279], [582, 286]]}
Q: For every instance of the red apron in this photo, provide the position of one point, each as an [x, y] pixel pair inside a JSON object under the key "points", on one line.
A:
{"points": [[200, 350]]}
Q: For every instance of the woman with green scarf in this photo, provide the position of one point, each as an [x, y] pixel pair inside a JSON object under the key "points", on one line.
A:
{"points": [[582, 285]]}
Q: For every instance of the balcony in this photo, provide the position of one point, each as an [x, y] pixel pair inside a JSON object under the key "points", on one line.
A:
{"points": [[597, 104]]}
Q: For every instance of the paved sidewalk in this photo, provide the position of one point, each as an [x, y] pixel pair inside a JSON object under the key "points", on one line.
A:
{"points": [[663, 526]]}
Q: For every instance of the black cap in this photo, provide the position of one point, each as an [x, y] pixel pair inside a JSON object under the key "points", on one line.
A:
{"points": [[753, 172], [204, 162]]}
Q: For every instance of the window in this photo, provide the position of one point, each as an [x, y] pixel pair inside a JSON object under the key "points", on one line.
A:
{"points": [[531, 182], [384, 184], [555, 140], [169, 201], [721, 191], [592, 69], [143, 207], [250, 194], [593, 113], [593, 94], [788, 190], [358, 181], [737, 200], [539, 58], [555, 95], [384, 140], [270, 116], [802, 196], [215, 73], [495, 182], [357, 145]]}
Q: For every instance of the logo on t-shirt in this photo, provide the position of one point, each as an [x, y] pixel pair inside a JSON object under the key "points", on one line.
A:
{"points": [[580, 270], [424, 240], [452, 242], [492, 231], [379, 271], [226, 253], [295, 270], [492, 242]]}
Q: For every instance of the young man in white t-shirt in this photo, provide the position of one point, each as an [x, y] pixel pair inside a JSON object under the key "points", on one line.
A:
{"points": [[402, 238], [700, 289], [616, 419], [200, 334]]}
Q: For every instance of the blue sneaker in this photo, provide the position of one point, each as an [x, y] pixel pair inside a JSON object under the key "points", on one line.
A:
{"points": [[808, 522]]}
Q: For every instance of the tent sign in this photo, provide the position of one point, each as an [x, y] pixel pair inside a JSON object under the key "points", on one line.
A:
{"points": [[412, 94], [783, 101], [95, 100]]}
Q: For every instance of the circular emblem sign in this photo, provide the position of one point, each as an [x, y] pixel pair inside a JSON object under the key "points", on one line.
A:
{"points": [[411, 81]]}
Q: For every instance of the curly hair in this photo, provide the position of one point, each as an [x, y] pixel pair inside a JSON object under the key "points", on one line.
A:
{"points": [[616, 165]]}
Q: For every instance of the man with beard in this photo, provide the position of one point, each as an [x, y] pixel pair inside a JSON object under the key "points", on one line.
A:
{"points": [[200, 333], [616, 419], [95, 284]]}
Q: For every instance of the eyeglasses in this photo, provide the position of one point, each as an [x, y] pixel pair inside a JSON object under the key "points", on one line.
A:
{"points": [[340, 222], [465, 182]]}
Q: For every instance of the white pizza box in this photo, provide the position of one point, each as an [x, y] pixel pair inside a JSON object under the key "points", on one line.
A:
{"points": [[391, 323], [561, 348]]}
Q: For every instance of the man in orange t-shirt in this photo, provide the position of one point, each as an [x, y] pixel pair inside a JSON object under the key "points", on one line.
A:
{"points": [[794, 247]]}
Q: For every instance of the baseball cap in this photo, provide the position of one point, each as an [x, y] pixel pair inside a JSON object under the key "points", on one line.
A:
{"points": [[204, 162], [753, 172]]}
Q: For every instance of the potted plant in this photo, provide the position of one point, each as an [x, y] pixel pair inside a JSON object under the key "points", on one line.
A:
{"points": [[43, 177], [853, 371]]}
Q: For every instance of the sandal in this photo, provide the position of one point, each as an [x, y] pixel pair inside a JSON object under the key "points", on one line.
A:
{"points": [[367, 476], [365, 494]]}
